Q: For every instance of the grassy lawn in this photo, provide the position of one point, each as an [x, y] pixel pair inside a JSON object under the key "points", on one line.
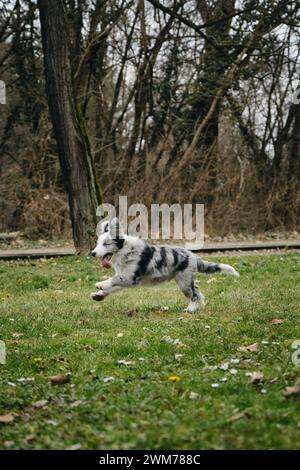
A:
{"points": [[50, 326]]}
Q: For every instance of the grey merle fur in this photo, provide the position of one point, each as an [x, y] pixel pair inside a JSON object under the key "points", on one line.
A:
{"points": [[139, 263]]}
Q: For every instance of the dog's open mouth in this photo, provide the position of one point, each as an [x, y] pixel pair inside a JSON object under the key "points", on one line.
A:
{"points": [[106, 261]]}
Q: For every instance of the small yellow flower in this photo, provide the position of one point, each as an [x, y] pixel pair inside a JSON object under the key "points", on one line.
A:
{"points": [[174, 378], [38, 360]]}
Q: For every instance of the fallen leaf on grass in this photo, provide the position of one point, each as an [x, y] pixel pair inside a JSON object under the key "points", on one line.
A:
{"points": [[256, 377], [294, 390], [25, 379], [178, 356], [236, 416], [11, 384], [176, 342], [234, 361], [179, 344], [224, 365], [125, 363], [167, 339], [194, 396], [7, 419], [88, 348], [215, 385], [17, 335], [75, 404], [75, 447], [40, 404], [60, 379], [52, 422], [106, 380], [273, 381], [277, 321], [8, 444], [252, 347]]}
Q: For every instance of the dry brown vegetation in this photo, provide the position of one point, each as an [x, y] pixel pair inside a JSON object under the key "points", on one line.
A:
{"points": [[183, 102]]}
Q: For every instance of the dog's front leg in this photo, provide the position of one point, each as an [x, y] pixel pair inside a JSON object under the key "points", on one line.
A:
{"points": [[111, 285], [98, 285]]}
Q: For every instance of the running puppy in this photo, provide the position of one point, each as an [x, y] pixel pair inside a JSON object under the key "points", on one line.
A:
{"points": [[139, 263]]}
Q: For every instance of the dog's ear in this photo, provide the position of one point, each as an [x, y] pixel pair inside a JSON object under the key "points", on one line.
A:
{"points": [[102, 227], [115, 228]]}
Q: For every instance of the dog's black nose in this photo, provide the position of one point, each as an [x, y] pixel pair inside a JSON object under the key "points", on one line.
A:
{"points": [[93, 253]]}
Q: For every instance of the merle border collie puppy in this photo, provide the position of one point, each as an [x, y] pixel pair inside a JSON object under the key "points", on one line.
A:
{"points": [[138, 263]]}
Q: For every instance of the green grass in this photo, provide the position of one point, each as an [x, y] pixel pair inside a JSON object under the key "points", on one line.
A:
{"points": [[47, 320]]}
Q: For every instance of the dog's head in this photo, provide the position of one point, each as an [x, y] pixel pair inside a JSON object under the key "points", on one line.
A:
{"points": [[110, 241]]}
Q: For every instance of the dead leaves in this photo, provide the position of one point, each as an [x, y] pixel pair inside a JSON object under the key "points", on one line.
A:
{"points": [[276, 321], [40, 404], [60, 379], [7, 419], [294, 390], [236, 416], [125, 363], [252, 347], [76, 403], [256, 377], [176, 342], [179, 344]]}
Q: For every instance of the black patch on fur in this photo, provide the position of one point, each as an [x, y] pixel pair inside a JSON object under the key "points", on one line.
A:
{"points": [[183, 264], [146, 257], [119, 242], [162, 261], [175, 256], [213, 268], [106, 227]]}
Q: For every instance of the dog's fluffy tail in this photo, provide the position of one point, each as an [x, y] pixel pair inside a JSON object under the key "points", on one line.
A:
{"points": [[211, 268]]}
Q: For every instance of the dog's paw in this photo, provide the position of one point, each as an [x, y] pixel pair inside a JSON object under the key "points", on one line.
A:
{"points": [[98, 296], [195, 305]]}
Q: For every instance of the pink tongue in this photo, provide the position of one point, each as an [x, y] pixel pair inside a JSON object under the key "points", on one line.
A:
{"points": [[105, 264]]}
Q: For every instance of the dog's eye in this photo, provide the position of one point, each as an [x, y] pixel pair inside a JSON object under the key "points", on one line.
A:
{"points": [[107, 243]]}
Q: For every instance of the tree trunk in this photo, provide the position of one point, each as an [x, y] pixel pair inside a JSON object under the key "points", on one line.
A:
{"points": [[75, 157]]}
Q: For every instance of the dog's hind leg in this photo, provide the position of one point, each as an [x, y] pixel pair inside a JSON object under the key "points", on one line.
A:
{"points": [[190, 290]]}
